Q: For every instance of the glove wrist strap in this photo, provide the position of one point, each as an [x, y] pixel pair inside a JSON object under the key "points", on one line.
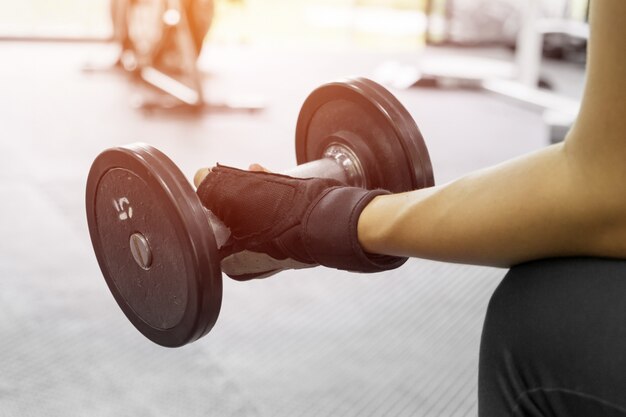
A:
{"points": [[330, 236]]}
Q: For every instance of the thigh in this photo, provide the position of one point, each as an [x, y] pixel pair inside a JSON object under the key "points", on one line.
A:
{"points": [[554, 341]]}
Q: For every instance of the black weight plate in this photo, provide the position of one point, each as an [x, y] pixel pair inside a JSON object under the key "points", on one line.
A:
{"points": [[137, 189], [364, 116]]}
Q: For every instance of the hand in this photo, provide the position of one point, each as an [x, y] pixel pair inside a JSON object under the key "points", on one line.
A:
{"points": [[246, 264], [293, 222]]}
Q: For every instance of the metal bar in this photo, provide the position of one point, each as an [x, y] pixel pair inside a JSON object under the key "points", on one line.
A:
{"points": [[321, 168], [171, 86]]}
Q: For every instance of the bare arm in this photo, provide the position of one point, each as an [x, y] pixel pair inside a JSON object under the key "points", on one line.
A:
{"points": [[567, 199]]}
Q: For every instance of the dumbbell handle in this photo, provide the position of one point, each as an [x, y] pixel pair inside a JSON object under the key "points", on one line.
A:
{"points": [[338, 162]]}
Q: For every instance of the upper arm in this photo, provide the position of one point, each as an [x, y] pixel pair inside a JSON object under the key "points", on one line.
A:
{"points": [[600, 131], [596, 145]]}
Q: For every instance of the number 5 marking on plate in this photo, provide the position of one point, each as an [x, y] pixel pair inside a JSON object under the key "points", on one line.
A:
{"points": [[122, 206]]}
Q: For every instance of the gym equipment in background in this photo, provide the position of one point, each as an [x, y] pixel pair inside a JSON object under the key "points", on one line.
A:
{"points": [[157, 246], [484, 23], [520, 80], [161, 41]]}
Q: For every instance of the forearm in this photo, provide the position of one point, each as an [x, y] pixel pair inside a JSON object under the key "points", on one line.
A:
{"points": [[537, 206]]}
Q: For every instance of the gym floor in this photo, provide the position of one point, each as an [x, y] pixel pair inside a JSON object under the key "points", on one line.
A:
{"points": [[309, 343]]}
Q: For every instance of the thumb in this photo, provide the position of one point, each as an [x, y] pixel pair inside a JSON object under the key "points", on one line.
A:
{"points": [[200, 176]]}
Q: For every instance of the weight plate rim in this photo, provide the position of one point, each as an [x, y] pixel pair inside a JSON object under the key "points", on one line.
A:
{"points": [[416, 149], [416, 155], [205, 301], [210, 290]]}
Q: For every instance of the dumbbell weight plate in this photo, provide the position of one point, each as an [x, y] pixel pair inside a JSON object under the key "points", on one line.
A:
{"points": [[363, 116], [154, 245]]}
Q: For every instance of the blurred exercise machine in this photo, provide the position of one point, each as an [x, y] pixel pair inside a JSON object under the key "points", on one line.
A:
{"points": [[480, 23], [160, 43], [519, 80]]}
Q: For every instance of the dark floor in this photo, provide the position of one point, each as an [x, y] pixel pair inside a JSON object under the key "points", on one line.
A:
{"points": [[309, 343]]}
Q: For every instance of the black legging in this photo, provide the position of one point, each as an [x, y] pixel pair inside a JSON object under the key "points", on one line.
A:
{"points": [[554, 341]]}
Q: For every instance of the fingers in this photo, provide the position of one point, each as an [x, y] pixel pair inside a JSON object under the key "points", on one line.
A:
{"points": [[257, 265], [258, 168], [203, 172], [246, 262], [200, 176], [248, 277]]}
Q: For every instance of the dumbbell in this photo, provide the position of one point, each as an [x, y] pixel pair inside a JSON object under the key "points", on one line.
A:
{"points": [[157, 246]]}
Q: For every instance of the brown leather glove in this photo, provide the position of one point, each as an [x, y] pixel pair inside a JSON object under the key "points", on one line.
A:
{"points": [[312, 221]]}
